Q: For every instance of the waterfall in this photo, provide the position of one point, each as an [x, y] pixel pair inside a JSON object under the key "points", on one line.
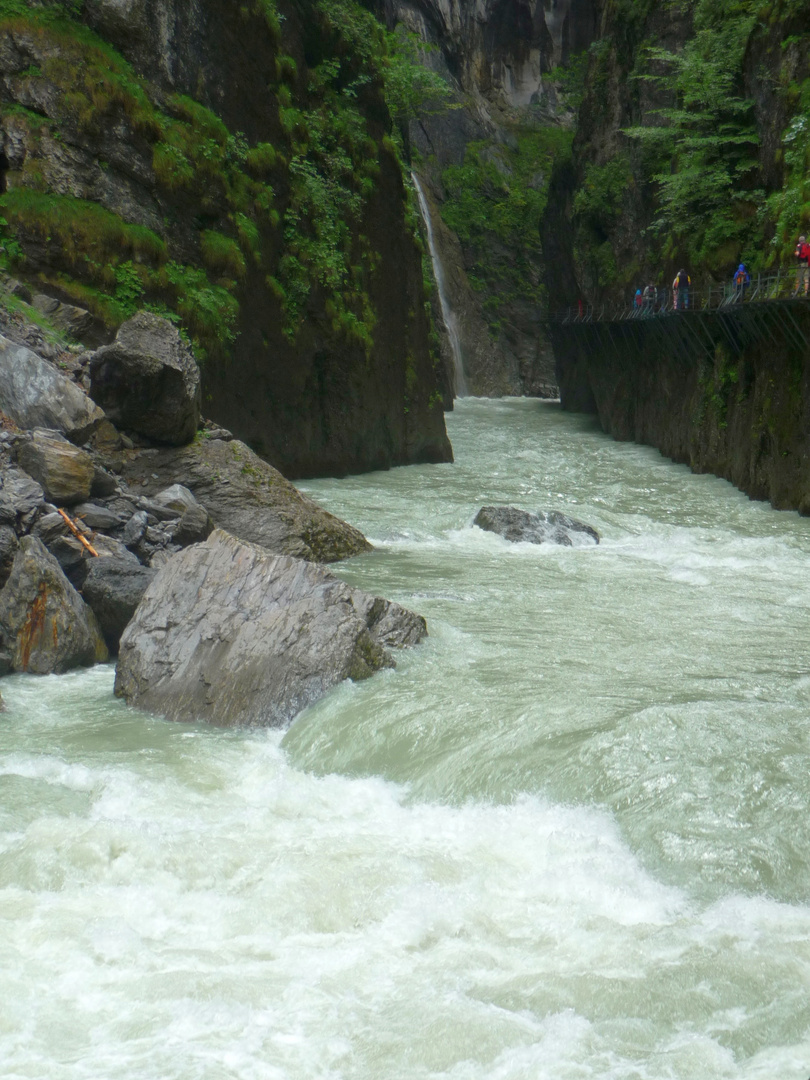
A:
{"points": [[448, 315]]}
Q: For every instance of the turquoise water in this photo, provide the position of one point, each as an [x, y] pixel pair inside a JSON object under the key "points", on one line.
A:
{"points": [[566, 838]]}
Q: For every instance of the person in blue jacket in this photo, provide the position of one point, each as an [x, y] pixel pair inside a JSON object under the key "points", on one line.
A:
{"points": [[742, 279]]}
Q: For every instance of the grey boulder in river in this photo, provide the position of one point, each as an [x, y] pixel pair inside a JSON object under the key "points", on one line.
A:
{"points": [[229, 633], [545, 527]]}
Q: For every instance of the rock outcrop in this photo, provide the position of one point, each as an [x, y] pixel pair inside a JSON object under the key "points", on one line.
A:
{"points": [[545, 527], [45, 626], [230, 634], [246, 496], [148, 381], [33, 394], [65, 472]]}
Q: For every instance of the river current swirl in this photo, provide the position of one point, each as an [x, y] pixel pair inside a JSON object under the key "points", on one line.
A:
{"points": [[568, 837]]}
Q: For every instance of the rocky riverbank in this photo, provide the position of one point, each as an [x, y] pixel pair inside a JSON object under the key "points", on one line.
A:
{"points": [[97, 504]]}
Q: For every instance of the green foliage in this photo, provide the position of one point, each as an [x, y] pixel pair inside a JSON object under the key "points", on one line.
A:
{"points": [[790, 206], [495, 203], [411, 88], [11, 251], [308, 242], [222, 254], [703, 154]]}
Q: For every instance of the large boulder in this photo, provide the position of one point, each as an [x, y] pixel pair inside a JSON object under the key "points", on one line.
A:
{"points": [[33, 394], [45, 626], [246, 496], [65, 472], [113, 588], [148, 381], [229, 633], [545, 527]]}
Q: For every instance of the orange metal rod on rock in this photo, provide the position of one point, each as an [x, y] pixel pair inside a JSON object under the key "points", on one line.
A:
{"points": [[77, 533]]}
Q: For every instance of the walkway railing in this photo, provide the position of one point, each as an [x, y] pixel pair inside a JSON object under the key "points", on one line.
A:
{"points": [[778, 286]]}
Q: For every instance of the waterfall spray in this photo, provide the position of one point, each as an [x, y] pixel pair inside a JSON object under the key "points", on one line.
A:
{"points": [[448, 315]]}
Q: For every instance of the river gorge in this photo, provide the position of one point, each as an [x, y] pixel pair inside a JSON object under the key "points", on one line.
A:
{"points": [[566, 837]]}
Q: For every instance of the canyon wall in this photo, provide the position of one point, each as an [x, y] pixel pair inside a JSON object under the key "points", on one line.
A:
{"points": [[486, 163], [738, 407], [231, 166]]}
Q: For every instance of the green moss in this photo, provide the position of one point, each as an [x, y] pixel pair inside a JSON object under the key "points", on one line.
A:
{"points": [[222, 254], [495, 203]]}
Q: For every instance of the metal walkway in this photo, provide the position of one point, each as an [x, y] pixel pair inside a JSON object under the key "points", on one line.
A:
{"points": [[767, 310]]}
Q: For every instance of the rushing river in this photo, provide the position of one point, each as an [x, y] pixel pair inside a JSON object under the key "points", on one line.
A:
{"points": [[568, 838]]}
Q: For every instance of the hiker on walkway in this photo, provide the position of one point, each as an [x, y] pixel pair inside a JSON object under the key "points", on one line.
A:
{"points": [[742, 279], [802, 254], [680, 290], [638, 300], [649, 299]]}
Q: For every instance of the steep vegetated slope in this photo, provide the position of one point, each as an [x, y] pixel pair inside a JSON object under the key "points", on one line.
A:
{"points": [[692, 147], [231, 165]]}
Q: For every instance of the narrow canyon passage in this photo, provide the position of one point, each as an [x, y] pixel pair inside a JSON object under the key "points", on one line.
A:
{"points": [[567, 837]]}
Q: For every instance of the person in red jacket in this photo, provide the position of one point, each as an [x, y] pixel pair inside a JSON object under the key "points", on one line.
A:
{"points": [[802, 253]]}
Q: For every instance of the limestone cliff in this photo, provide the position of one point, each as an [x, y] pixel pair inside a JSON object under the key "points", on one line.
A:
{"points": [[229, 165]]}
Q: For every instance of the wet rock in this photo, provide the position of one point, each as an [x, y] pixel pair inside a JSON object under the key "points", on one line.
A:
{"points": [[8, 549], [65, 472], [50, 526], [229, 633], [148, 381], [113, 588], [98, 517], [45, 626], [19, 496], [249, 498], [545, 527], [33, 394], [103, 483], [135, 529], [194, 526], [72, 320], [176, 498]]}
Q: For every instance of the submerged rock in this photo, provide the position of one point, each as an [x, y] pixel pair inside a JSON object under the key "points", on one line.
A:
{"points": [[148, 381], [229, 633], [545, 527], [246, 496], [33, 394], [45, 626]]}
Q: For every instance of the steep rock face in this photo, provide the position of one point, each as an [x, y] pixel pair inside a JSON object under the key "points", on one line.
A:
{"points": [[486, 164], [280, 186], [744, 415]]}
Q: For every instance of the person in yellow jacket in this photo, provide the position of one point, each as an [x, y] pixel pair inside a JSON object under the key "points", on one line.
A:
{"points": [[680, 290]]}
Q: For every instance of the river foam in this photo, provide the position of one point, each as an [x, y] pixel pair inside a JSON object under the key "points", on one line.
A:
{"points": [[567, 837]]}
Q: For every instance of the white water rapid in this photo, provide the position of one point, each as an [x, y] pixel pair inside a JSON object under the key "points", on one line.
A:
{"points": [[448, 315], [567, 838]]}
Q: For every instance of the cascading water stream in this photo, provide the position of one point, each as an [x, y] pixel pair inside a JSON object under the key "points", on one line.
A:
{"points": [[448, 314]]}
